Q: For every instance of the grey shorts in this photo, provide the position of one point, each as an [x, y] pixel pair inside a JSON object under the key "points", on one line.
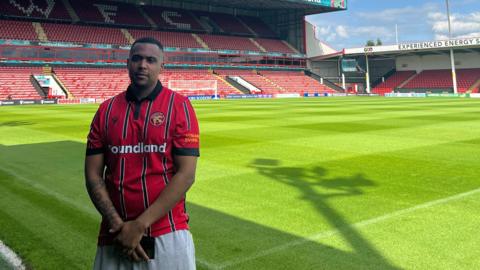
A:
{"points": [[173, 251]]}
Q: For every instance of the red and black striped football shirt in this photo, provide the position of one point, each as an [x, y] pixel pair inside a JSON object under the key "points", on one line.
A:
{"points": [[139, 139]]}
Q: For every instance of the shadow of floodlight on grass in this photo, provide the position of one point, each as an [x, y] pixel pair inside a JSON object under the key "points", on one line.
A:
{"points": [[307, 182]]}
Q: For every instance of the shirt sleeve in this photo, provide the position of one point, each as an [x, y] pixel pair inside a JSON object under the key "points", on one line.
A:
{"points": [[186, 140], [95, 143]]}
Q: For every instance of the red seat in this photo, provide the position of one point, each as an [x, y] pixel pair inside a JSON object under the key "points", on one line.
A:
{"points": [[15, 82], [442, 78], [392, 82], [17, 30]]}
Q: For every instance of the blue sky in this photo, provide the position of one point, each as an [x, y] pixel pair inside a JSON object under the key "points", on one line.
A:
{"points": [[416, 20]]}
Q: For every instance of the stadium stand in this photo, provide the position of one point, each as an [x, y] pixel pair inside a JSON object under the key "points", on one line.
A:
{"points": [[223, 88], [15, 83], [173, 19], [119, 14], [276, 82], [215, 42], [253, 78], [127, 14], [118, 24], [93, 82], [54, 10], [295, 82], [392, 82], [258, 26], [99, 82], [17, 30], [228, 43], [84, 34], [168, 39], [107, 35], [431, 79], [274, 45], [229, 24], [469, 80]]}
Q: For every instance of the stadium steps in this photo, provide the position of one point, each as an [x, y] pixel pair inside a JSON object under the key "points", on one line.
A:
{"points": [[262, 49], [37, 87], [71, 11], [323, 81], [281, 89], [247, 27], [408, 80], [383, 78], [237, 85], [205, 26], [200, 41], [210, 25], [149, 20], [62, 85], [127, 35], [227, 83], [475, 87], [40, 32], [290, 46], [47, 70]]}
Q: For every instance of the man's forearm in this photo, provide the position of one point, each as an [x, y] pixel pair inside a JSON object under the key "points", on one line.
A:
{"points": [[99, 195], [170, 196]]}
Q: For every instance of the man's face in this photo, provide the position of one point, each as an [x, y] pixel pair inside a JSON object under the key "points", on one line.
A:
{"points": [[144, 65]]}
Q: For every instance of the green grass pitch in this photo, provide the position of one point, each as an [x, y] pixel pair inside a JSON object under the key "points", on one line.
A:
{"points": [[325, 183]]}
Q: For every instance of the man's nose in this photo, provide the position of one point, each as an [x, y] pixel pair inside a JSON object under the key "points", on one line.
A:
{"points": [[142, 63]]}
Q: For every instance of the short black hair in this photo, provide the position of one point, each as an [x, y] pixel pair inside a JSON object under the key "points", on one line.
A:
{"points": [[149, 40]]}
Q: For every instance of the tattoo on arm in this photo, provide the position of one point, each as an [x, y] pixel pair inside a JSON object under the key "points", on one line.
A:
{"points": [[99, 195]]}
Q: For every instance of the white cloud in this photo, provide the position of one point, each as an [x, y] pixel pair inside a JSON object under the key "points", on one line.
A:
{"points": [[416, 22], [462, 25], [342, 31], [328, 33], [324, 30], [437, 16]]}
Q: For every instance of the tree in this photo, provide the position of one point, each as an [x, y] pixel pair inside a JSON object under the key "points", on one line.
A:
{"points": [[370, 43]]}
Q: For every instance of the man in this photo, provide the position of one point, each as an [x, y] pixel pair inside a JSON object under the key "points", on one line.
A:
{"points": [[141, 158]]}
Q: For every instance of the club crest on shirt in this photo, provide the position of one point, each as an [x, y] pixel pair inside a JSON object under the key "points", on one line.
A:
{"points": [[156, 119]]}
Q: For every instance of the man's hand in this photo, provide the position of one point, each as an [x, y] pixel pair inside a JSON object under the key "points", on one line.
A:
{"points": [[116, 225], [128, 239]]}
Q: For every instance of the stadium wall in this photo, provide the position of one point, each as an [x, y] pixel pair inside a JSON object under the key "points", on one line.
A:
{"points": [[427, 62], [329, 69], [314, 46]]}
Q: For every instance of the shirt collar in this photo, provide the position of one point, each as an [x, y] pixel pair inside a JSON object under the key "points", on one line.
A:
{"points": [[131, 96]]}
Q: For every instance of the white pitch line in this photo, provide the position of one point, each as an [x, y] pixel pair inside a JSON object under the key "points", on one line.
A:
{"points": [[11, 257], [14, 260], [205, 264], [333, 232], [35, 184]]}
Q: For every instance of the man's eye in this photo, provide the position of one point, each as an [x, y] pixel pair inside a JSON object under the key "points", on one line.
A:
{"points": [[136, 58], [151, 59]]}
